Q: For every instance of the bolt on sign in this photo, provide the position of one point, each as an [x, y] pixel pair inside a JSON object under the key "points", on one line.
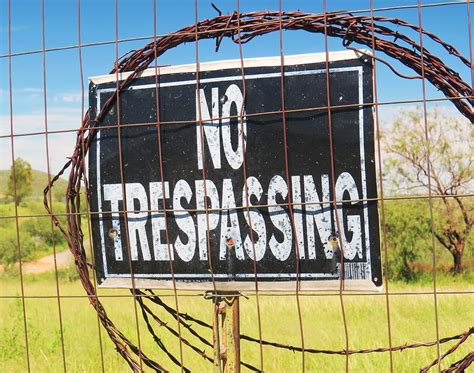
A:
{"points": [[228, 188]]}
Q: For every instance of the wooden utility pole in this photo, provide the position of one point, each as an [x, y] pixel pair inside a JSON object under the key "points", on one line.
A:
{"points": [[226, 331]]}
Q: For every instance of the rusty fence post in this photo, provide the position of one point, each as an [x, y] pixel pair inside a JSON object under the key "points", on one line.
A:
{"points": [[226, 332]]}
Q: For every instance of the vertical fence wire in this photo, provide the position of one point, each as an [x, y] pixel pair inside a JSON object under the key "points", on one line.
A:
{"points": [[216, 341], [17, 224], [127, 209], [333, 188], [163, 190], [469, 25], [200, 123], [48, 169], [247, 197], [381, 192], [288, 183], [86, 183], [430, 199]]}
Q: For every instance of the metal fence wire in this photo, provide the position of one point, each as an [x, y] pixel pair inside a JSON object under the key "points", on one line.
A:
{"points": [[388, 39]]}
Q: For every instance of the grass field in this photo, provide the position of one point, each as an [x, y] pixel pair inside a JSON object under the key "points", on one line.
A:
{"points": [[412, 320], [412, 315]]}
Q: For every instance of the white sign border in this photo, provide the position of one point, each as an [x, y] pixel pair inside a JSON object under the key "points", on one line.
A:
{"points": [[158, 280]]}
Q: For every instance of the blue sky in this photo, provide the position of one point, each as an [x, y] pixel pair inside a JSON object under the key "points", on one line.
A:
{"points": [[63, 80]]}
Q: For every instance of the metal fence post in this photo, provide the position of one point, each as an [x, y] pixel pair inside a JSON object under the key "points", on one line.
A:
{"points": [[226, 332]]}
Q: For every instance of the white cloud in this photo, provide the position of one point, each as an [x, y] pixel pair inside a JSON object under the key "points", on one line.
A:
{"points": [[32, 98], [30, 90], [69, 97], [387, 113], [59, 119], [13, 28], [33, 147]]}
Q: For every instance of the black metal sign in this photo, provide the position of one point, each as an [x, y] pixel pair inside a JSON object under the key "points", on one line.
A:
{"points": [[224, 191]]}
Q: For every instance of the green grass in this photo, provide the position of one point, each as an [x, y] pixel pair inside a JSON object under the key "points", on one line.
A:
{"points": [[412, 320]]}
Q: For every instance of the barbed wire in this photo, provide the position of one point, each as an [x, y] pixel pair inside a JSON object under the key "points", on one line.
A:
{"points": [[184, 316], [179, 316], [241, 28]]}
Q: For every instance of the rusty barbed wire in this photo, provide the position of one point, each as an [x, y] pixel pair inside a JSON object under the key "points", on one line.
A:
{"points": [[241, 28], [184, 316], [462, 364], [462, 339]]}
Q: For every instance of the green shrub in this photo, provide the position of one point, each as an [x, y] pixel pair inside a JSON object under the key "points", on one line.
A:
{"points": [[40, 229], [9, 250], [408, 234]]}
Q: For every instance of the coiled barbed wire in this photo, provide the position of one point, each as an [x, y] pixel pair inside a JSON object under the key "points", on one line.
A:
{"points": [[374, 32]]}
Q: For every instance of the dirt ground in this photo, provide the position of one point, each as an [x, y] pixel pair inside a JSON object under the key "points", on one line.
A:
{"points": [[46, 263]]}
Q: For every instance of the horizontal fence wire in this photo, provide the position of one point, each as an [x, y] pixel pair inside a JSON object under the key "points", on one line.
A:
{"points": [[257, 206], [152, 37], [249, 115], [384, 36]]}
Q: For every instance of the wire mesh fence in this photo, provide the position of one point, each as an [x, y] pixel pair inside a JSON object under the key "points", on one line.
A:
{"points": [[55, 316]]}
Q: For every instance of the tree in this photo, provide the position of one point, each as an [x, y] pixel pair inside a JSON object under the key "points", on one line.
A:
{"points": [[407, 225], [441, 165], [19, 182]]}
